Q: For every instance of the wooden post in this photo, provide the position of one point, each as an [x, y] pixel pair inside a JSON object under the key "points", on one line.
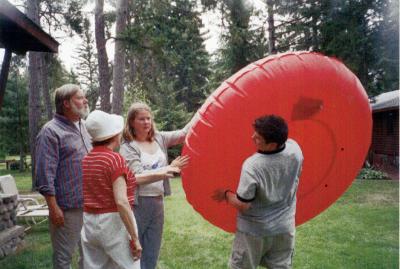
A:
{"points": [[4, 74]]}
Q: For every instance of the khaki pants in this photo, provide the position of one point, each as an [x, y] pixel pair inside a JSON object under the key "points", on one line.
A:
{"points": [[272, 252], [66, 238]]}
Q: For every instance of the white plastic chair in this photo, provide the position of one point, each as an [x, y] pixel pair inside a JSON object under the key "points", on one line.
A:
{"points": [[28, 208]]}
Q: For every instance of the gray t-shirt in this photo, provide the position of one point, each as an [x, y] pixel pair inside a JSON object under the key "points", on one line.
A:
{"points": [[269, 181]]}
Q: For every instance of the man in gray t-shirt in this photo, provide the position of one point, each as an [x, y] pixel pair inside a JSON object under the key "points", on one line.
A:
{"points": [[266, 198]]}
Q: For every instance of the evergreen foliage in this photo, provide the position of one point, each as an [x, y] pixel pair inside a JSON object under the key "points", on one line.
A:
{"points": [[14, 113], [363, 34], [168, 67], [241, 42], [87, 70], [170, 62]]}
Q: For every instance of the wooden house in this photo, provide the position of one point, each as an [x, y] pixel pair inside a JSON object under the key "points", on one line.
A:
{"points": [[384, 150]]}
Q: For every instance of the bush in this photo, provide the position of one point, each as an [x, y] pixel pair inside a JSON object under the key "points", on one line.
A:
{"points": [[370, 173]]}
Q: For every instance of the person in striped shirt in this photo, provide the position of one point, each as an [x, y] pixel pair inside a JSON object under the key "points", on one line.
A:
{"points": [[109, 235], [60, 147]]}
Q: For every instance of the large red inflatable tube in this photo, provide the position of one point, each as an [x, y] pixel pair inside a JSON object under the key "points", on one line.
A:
{"points": [[328, 114]]}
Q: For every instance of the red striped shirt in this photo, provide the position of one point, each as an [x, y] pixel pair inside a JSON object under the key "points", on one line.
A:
{"points": [[101, 167]]}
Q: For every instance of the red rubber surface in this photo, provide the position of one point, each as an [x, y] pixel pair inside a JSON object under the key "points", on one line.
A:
{"points": [[328, 114]]}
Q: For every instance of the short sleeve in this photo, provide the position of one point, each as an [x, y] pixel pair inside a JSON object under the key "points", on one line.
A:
{"points": [[132, 157], [246, 191], [119, 168]]}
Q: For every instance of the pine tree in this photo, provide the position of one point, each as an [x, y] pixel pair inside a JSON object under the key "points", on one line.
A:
{"points": [[87, 69], [386, 47], [357, 32], [14, 114], [241, 42], [119, 58], [170, 62], [104, 69]]}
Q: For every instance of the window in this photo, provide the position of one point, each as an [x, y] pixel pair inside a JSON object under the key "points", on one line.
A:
{"points": [[390, 123]]}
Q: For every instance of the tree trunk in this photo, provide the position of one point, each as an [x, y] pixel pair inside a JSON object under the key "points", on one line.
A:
{"points": [[119, 58], [19, 126], [363, 67], [131, 65], [314, 28], [45, 85], [33, 87], [104, 71], [271, 28]]}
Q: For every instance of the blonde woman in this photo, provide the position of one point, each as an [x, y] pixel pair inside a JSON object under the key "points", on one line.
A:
{"points": [[145, 150]]}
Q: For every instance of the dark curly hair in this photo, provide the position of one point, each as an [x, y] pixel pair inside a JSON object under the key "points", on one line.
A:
{"points": [[272, 128]]}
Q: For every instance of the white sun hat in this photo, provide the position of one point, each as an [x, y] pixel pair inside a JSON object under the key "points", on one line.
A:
{"points": [[102, 126]]}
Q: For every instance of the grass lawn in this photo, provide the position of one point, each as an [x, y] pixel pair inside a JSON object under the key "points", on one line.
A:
{"points": [[361, 230]]}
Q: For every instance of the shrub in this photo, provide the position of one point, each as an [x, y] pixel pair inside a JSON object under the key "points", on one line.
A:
{"points": [[370, 173]]}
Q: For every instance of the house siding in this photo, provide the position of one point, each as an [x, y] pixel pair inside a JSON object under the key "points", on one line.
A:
{"points": [[385, 134], [384, 150]]}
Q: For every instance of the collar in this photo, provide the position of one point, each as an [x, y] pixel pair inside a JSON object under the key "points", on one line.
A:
{"points": [[63, 119], [101, 149], [272, 151]]}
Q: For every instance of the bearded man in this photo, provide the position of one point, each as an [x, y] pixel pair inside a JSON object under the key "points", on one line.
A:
{"points": [[60, 147]]}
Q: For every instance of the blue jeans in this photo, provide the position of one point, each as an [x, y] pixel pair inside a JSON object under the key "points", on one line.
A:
{"points": [[149, 214]]}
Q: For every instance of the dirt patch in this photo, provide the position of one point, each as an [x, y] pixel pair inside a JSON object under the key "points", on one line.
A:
{"points": [[381, 198]]}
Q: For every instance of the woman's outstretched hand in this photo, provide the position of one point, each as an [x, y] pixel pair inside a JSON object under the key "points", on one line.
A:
{"points": [[175, 167], [170, 172], [180, 162]]}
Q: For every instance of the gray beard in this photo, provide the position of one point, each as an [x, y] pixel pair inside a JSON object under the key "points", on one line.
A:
{"points": [[83, 112]]}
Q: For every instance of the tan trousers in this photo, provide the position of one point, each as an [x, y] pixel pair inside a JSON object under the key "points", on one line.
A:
{"points": [[272, 252], [66, 239]]}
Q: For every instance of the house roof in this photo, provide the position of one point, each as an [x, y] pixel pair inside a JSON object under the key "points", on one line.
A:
{"points": [[385, 101], [20, 34]]}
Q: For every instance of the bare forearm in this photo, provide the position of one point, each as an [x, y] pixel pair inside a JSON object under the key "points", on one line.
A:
{"points": [[147, 178], [51, 201], [232, 199], [128, 219], [162, 173], [124, 209], [55, 212]]}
